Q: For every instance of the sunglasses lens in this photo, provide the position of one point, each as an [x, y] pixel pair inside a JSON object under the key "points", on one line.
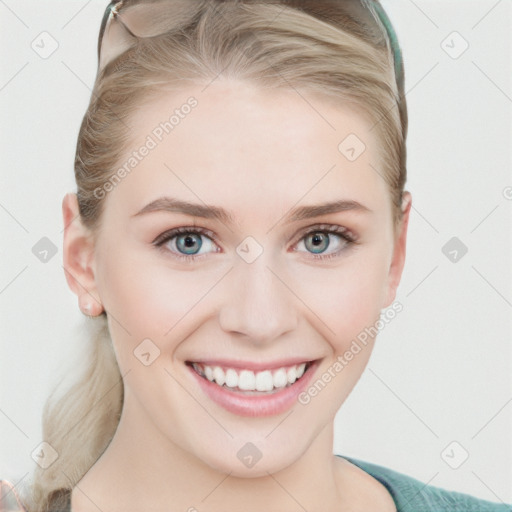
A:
{"points": [[125, 22]]}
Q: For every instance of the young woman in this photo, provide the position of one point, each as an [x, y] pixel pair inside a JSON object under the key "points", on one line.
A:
{"points": [[240, 219]]}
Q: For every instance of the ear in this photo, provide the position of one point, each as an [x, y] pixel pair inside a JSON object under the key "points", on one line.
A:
{"points": [[398, 259], [78, 257]]}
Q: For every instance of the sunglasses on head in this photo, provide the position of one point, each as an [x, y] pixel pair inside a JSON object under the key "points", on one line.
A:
{"points": [[127, 20]]}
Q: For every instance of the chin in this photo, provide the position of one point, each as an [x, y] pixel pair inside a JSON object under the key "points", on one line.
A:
{"points": [[268, 463], [251, 453]]}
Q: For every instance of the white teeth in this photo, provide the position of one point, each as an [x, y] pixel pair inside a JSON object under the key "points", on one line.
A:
{"points": [[264, 381], [247, 380], [292, 374], [219, 376], [208, 371], [231, 378], [280, 378]]}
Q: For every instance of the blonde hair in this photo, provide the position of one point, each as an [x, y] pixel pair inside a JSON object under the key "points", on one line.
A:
{"points": [[308, 45]]}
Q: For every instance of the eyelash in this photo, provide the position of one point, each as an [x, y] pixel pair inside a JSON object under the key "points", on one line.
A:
{"points": [[343, 233]]}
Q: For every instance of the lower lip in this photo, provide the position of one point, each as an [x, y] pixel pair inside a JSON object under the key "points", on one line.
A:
{"points": [[255, 405]]}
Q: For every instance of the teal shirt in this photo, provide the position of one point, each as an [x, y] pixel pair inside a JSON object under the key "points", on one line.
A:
{"points": [[409, 494]]}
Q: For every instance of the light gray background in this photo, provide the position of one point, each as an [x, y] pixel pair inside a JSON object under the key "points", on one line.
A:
{"points": [[440, 372]]}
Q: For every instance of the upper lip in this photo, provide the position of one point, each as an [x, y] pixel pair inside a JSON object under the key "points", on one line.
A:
{"points": [[253, 365]]}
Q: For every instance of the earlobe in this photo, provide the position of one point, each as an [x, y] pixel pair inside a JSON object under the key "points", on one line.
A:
{"points": [[78, 258], [398, 259]]}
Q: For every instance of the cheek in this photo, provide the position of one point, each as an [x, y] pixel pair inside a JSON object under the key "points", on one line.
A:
{"points": [[348, 298], [149, 299]]}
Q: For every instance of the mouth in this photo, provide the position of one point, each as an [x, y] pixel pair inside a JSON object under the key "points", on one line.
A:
{"points": [[252, 382], [248, 392]]}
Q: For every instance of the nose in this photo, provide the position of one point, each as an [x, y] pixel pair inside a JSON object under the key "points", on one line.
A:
{"points": [[258, 303]]}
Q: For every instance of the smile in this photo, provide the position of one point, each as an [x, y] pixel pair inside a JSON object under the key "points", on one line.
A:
{"points": [[258, 392], [247, 380]]}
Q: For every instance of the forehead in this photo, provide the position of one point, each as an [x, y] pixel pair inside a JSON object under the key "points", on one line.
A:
{"points": [[240, 143]]}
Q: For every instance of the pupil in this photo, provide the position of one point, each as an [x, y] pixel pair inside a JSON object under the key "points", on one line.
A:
{"points": [[187, 242], [319, 242]]}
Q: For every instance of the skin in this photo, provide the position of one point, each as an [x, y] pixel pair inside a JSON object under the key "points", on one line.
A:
{"points": [[257, 154]]}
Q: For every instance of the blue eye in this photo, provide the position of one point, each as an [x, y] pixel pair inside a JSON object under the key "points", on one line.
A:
{"points": [[319, 239], [186, 243], [190, 241]]}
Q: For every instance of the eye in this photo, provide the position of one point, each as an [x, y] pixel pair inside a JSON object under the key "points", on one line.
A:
{"points": [[319, 238], [186, 243]]}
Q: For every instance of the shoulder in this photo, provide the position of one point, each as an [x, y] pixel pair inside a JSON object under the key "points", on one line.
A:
{"points": [[411, 494], [9, 498]]}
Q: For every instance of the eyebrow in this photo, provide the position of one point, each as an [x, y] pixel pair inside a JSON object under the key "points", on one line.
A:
{"points": [[169, 204]]}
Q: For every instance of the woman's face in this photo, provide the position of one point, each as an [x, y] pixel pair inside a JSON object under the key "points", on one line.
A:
{"points": [[263, 288]]}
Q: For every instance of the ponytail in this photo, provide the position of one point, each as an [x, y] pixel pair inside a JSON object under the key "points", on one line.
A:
{"points": [[79, 425]]}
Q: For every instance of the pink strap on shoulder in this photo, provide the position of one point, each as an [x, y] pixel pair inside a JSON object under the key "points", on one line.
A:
{"points": [[9, 499]]}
